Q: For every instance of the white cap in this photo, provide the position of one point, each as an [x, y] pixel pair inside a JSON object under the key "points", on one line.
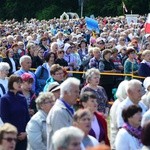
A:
{"points": [[66, 46], [146, 83]]}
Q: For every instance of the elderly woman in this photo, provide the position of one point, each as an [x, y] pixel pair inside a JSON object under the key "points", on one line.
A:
{"points": [[67, 138], [36, 127], [14, 110], [99, 125], [92, 80], [4, 70], [129, 136], [8, 137], [130, 65], [145, 136], [82, 120], [121, 95], [144, 68]]}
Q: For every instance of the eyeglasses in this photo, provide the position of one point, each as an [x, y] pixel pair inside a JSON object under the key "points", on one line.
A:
{"points": [[4, 41], [9, 139]]}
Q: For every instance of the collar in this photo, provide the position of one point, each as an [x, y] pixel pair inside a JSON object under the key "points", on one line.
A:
{"points": [[68, 106]]}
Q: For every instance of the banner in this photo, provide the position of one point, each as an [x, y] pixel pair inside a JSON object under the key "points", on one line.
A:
{"points": [[92, 24], [147, 24], [131, 18]]}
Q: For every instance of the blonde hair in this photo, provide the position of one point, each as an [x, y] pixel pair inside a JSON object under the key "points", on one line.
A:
{"points": [[145, 52]]}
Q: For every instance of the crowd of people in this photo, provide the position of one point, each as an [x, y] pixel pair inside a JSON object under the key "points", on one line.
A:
{"points": [[45, 104]]}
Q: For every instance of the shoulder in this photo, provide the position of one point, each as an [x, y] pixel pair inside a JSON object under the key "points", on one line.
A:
{"points": [[94, 141]]}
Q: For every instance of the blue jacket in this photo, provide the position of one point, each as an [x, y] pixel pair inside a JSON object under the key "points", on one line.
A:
{"points": [[14, 110], [42, 75], [144, 70]]}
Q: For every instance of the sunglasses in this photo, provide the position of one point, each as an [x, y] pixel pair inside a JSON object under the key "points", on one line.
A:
{"points": [[9, 139]]}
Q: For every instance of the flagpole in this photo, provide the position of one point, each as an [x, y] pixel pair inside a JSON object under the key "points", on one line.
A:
{"points": [[123, 9]]}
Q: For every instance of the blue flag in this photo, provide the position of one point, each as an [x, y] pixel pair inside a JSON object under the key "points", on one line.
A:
{"points": [[92, 24]]}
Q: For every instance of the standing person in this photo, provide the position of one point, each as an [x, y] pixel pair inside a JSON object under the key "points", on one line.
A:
{"points": [[8, 137], [61, 136], [26, 89], [129, 136], [82, 120], [92, 80], [130, 65], [36, 127], [43, 72], [10, 60], [61, 115], [57, 74], [144, 68], [25, 63], [108, 67], [99, 124], [4, 70], [14, 110], [134, 94]]}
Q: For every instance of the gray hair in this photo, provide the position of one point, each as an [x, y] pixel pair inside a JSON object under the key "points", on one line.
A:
{"points": [[90, 72], [66, 85], [4, 66], [53, 43], [63, 136], [132, 84], [42, 97], [121, 93], [23, 58]]}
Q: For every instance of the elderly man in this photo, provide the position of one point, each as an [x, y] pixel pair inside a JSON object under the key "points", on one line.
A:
{"points": [[25, 63], [61, 115], [134, 94]]}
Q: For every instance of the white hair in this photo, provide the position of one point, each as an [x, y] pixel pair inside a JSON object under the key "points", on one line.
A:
{"points": [[63, 136], [53, 43], [67, 84], [132, 84], [4, 66], [121, 93], [23, 58]]}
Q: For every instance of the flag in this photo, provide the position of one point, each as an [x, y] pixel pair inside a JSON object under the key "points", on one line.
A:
{"points": [[124, 6], [92, 24], [147, 24]]}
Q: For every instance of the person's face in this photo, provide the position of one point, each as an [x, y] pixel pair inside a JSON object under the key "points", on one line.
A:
{"points": [[97, 54], [60, 54], [147, 57], [10, 53], [26, 85], [95, 79], [132, 55], [107, 56], [47, 105], [52, 58], [56, 94], [136, 94], [32, 50], [135, 120], [9, 141], [54, 48], [75, 144], [26, 64], [73, 95], [91, 104], [83, 45], [40, 53], [4, 73], [59, 75], [17, 85], [122, 41], [84, 123]]}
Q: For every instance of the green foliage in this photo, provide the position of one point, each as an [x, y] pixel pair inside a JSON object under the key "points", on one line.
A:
{"points": [[47, 9], [48, 13]]}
